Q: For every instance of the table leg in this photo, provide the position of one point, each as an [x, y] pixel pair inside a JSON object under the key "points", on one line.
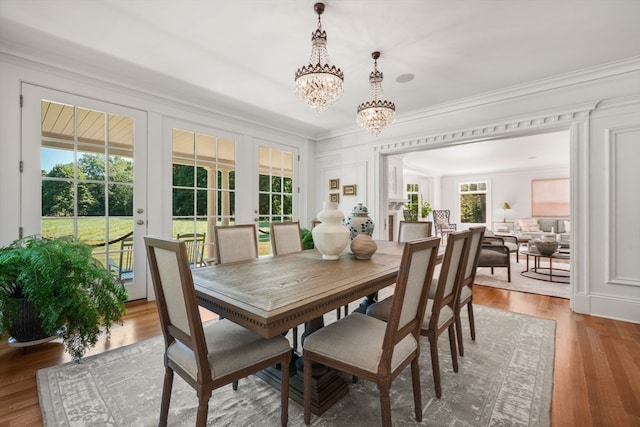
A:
{"points": [[327, 386]]}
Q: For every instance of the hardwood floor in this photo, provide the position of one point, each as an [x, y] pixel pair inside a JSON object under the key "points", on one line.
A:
{"points": [[596, 377]]}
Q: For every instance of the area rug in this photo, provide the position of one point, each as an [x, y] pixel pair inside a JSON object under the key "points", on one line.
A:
{"points": [[505, 379], [519, 282]]}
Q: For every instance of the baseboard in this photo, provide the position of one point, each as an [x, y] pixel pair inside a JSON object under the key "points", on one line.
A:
{"points": [[608, 307]]}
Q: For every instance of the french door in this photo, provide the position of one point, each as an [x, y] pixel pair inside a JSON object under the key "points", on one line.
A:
{"points": [[277, 189], [84, 177]]}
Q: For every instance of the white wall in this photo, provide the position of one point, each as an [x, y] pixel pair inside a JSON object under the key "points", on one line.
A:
{"points": [[601, 110], [513, 187]]}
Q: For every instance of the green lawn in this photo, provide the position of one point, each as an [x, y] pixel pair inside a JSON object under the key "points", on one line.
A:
{"points": [[92, 231]]}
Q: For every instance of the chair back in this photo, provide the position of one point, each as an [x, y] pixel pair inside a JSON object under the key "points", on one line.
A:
{"points": [[285, 237], [451, 274], [475, 245], [176, 299], [442, 214], [413, 230], [125, 268], [411, 293], [235, 243], [195, 247]]}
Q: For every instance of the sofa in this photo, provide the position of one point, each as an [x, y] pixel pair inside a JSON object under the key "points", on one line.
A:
{"points": [[538, 227]]}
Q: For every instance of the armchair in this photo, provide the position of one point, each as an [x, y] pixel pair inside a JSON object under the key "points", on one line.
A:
{"points": [[494, 253], [509, 241], [442, 222]]}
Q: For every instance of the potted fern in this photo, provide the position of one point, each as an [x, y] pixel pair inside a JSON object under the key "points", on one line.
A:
{"points": [[69, 291]]}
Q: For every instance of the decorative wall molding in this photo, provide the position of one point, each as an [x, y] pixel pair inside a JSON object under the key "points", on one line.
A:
{"points": [[531, 123], [622, 225], [567, 80]]}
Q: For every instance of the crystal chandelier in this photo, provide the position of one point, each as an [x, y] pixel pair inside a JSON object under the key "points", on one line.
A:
{"points": [[376, 113], [319, 84]]}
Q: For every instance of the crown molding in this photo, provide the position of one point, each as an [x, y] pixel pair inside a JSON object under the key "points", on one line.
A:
{"points": [[533, 123], [583, 76]]}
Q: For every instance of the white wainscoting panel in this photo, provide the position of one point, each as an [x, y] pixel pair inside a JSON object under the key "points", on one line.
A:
{"points": [[624, 205]]}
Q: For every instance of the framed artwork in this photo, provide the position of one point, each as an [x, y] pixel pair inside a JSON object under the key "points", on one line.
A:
{"points": [[334, 197], [334, 184], [349, 190], [550, 197]]}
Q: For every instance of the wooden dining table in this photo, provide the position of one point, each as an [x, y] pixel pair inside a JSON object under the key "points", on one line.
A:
{"points": [[270, 295]]}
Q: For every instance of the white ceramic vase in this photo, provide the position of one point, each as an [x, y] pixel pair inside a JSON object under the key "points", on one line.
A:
{"points": [[330, 237], [359, 222]]}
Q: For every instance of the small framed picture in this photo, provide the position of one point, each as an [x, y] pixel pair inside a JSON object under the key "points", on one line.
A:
{"points": [[334, 184], [334, 197], [349, 190]]}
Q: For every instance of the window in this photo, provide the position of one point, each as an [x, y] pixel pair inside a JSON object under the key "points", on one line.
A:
{"points": [[473, 202], [203, 187], [413, 204]]}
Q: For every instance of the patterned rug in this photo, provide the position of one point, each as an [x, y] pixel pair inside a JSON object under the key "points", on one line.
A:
{"points": [[521, 283], [505, 379]]}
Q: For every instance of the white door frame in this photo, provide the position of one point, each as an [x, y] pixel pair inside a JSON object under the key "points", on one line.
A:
{"points": [[30, 185]]}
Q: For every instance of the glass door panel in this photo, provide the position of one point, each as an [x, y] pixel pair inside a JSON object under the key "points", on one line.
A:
{"points": [[203, 190], [86, 178], [275, 191]]}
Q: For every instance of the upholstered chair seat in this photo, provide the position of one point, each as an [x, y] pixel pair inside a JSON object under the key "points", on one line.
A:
{"points": [[364, 333], [231, 348]]}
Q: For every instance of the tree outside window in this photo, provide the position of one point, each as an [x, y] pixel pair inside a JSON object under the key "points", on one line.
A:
{"points": [[473, 203]]}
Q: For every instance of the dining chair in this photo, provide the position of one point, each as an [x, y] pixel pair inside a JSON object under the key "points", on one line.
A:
{"points": [[235, 243], [439, 316], [412, 230], [285, 239], [211, 355], [375, 350], [195, 247], [466, 289]]}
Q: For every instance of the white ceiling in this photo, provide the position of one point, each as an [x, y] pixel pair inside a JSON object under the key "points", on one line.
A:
{"points": [[240, 56], [545, 151]]}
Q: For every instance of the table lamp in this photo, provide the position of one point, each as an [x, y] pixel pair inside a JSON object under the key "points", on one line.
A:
{"points": [[505, 207]]}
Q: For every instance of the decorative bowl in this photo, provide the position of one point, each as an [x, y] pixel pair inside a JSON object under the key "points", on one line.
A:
{"points": [[546, 248]]}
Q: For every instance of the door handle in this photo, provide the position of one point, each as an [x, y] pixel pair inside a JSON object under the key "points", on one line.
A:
{"points": [[140, 222]]}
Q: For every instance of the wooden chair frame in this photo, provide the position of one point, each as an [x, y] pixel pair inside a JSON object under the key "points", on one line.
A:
{"points": [[395, 332], [191, 334], [475, 245]]}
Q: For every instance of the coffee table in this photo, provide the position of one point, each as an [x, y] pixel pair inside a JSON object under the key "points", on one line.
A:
{"points": [[550, 274]]}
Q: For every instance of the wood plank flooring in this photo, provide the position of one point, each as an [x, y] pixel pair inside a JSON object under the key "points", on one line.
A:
{"points": [[596, 377]]}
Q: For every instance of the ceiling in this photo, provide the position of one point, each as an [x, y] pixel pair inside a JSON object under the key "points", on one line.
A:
{"points": [[544, 151], [239, 57]]}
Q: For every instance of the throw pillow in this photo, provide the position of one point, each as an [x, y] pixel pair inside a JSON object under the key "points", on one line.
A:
{"points": [[442, 221], [567, 226], [528, 224]]}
